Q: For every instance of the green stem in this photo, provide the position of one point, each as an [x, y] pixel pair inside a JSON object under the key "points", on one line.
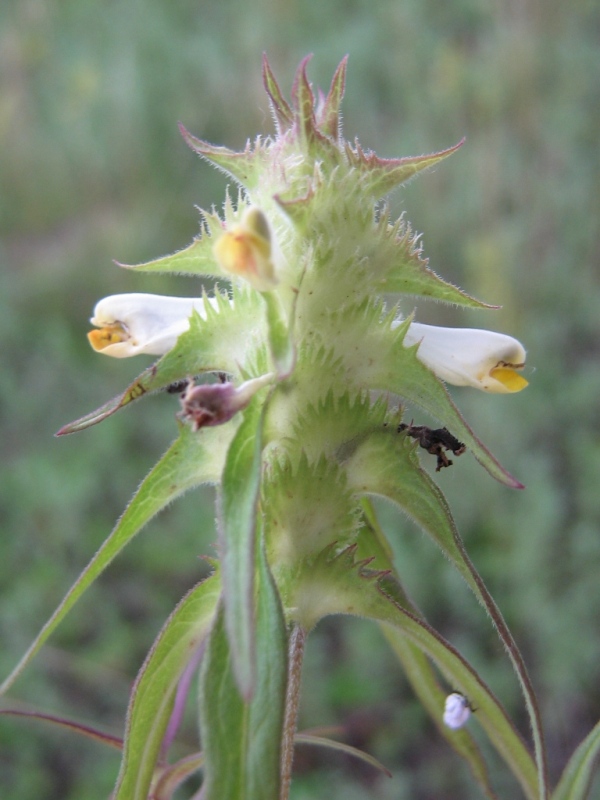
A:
{"points": [[292, 700]]}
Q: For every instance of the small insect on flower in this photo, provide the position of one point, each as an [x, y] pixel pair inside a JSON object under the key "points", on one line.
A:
{"points": [[457, 710]]}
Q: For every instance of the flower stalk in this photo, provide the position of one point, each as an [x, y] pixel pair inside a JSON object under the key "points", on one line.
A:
{"points": [[297, 643]]}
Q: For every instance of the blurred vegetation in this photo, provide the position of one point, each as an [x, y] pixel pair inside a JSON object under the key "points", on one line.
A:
{"points": [[92, 168]]}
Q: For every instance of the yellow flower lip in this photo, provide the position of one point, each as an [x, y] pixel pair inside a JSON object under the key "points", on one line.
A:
{"points": [[109, 333], [507, 375]]}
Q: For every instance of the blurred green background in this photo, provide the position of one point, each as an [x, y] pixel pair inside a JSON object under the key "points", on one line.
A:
{"points": [[92, 168]]}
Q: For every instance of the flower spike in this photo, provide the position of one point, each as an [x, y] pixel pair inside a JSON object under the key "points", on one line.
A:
{"points": [[298, 430]]}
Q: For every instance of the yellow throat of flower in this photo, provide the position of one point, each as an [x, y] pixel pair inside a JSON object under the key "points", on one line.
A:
{"points": [[110, 333], [507, 375]]}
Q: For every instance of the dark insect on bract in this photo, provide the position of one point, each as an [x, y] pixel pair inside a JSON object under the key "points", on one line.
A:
{"points": [[436, 441]]}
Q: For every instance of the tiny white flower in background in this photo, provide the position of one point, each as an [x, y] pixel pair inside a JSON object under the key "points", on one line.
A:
{"points": [[130, 324], [470, 357], [457, 710]]}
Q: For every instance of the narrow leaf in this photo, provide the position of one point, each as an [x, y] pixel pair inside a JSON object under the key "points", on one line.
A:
{"points": [[175, 774], [372, 543], [330, 120], [382, 466], [194, 459], [304, 103], [196, 259], [576, 780], [237, 520], [83, 730], [342, 587], [153, 694], [398, 265], [242, 167], [321, 741], [426, 686], [242, 740], [283, 113], [384, 174], [305, 125]]}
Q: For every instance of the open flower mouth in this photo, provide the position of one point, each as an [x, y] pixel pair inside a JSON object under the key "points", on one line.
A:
{"points": [[107, 335], [507, 375]]}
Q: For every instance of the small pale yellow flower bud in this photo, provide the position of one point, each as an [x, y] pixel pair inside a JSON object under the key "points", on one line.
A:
{"points": [[246, 251]]}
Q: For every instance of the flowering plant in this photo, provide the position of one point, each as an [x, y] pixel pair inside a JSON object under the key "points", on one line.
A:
{"points": [[294, 375]]}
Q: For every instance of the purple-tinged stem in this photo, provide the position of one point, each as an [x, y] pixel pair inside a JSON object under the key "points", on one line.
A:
{"points": [[292, 700]]}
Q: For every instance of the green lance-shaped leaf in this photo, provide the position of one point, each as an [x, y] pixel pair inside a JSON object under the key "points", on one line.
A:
{"points": [[340, 747], [303, 101], [372, 545], [398, 265], [194, 459], [242, 740], [422, 677], [173, 775], [385, 465], [284, 116], [243, 167], [329, 117], [339, 585], [76, 727], [218, 343], [577, 776], [310, 139], [238, 500], [153, 694], [196, 259], [381, 175]]}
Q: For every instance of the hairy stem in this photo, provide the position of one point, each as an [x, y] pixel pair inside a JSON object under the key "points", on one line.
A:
{"points": [[292, 700]]}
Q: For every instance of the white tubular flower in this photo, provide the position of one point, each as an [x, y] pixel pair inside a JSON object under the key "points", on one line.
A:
{"points": [[457, 710], [130, 324], [470, 357]]}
